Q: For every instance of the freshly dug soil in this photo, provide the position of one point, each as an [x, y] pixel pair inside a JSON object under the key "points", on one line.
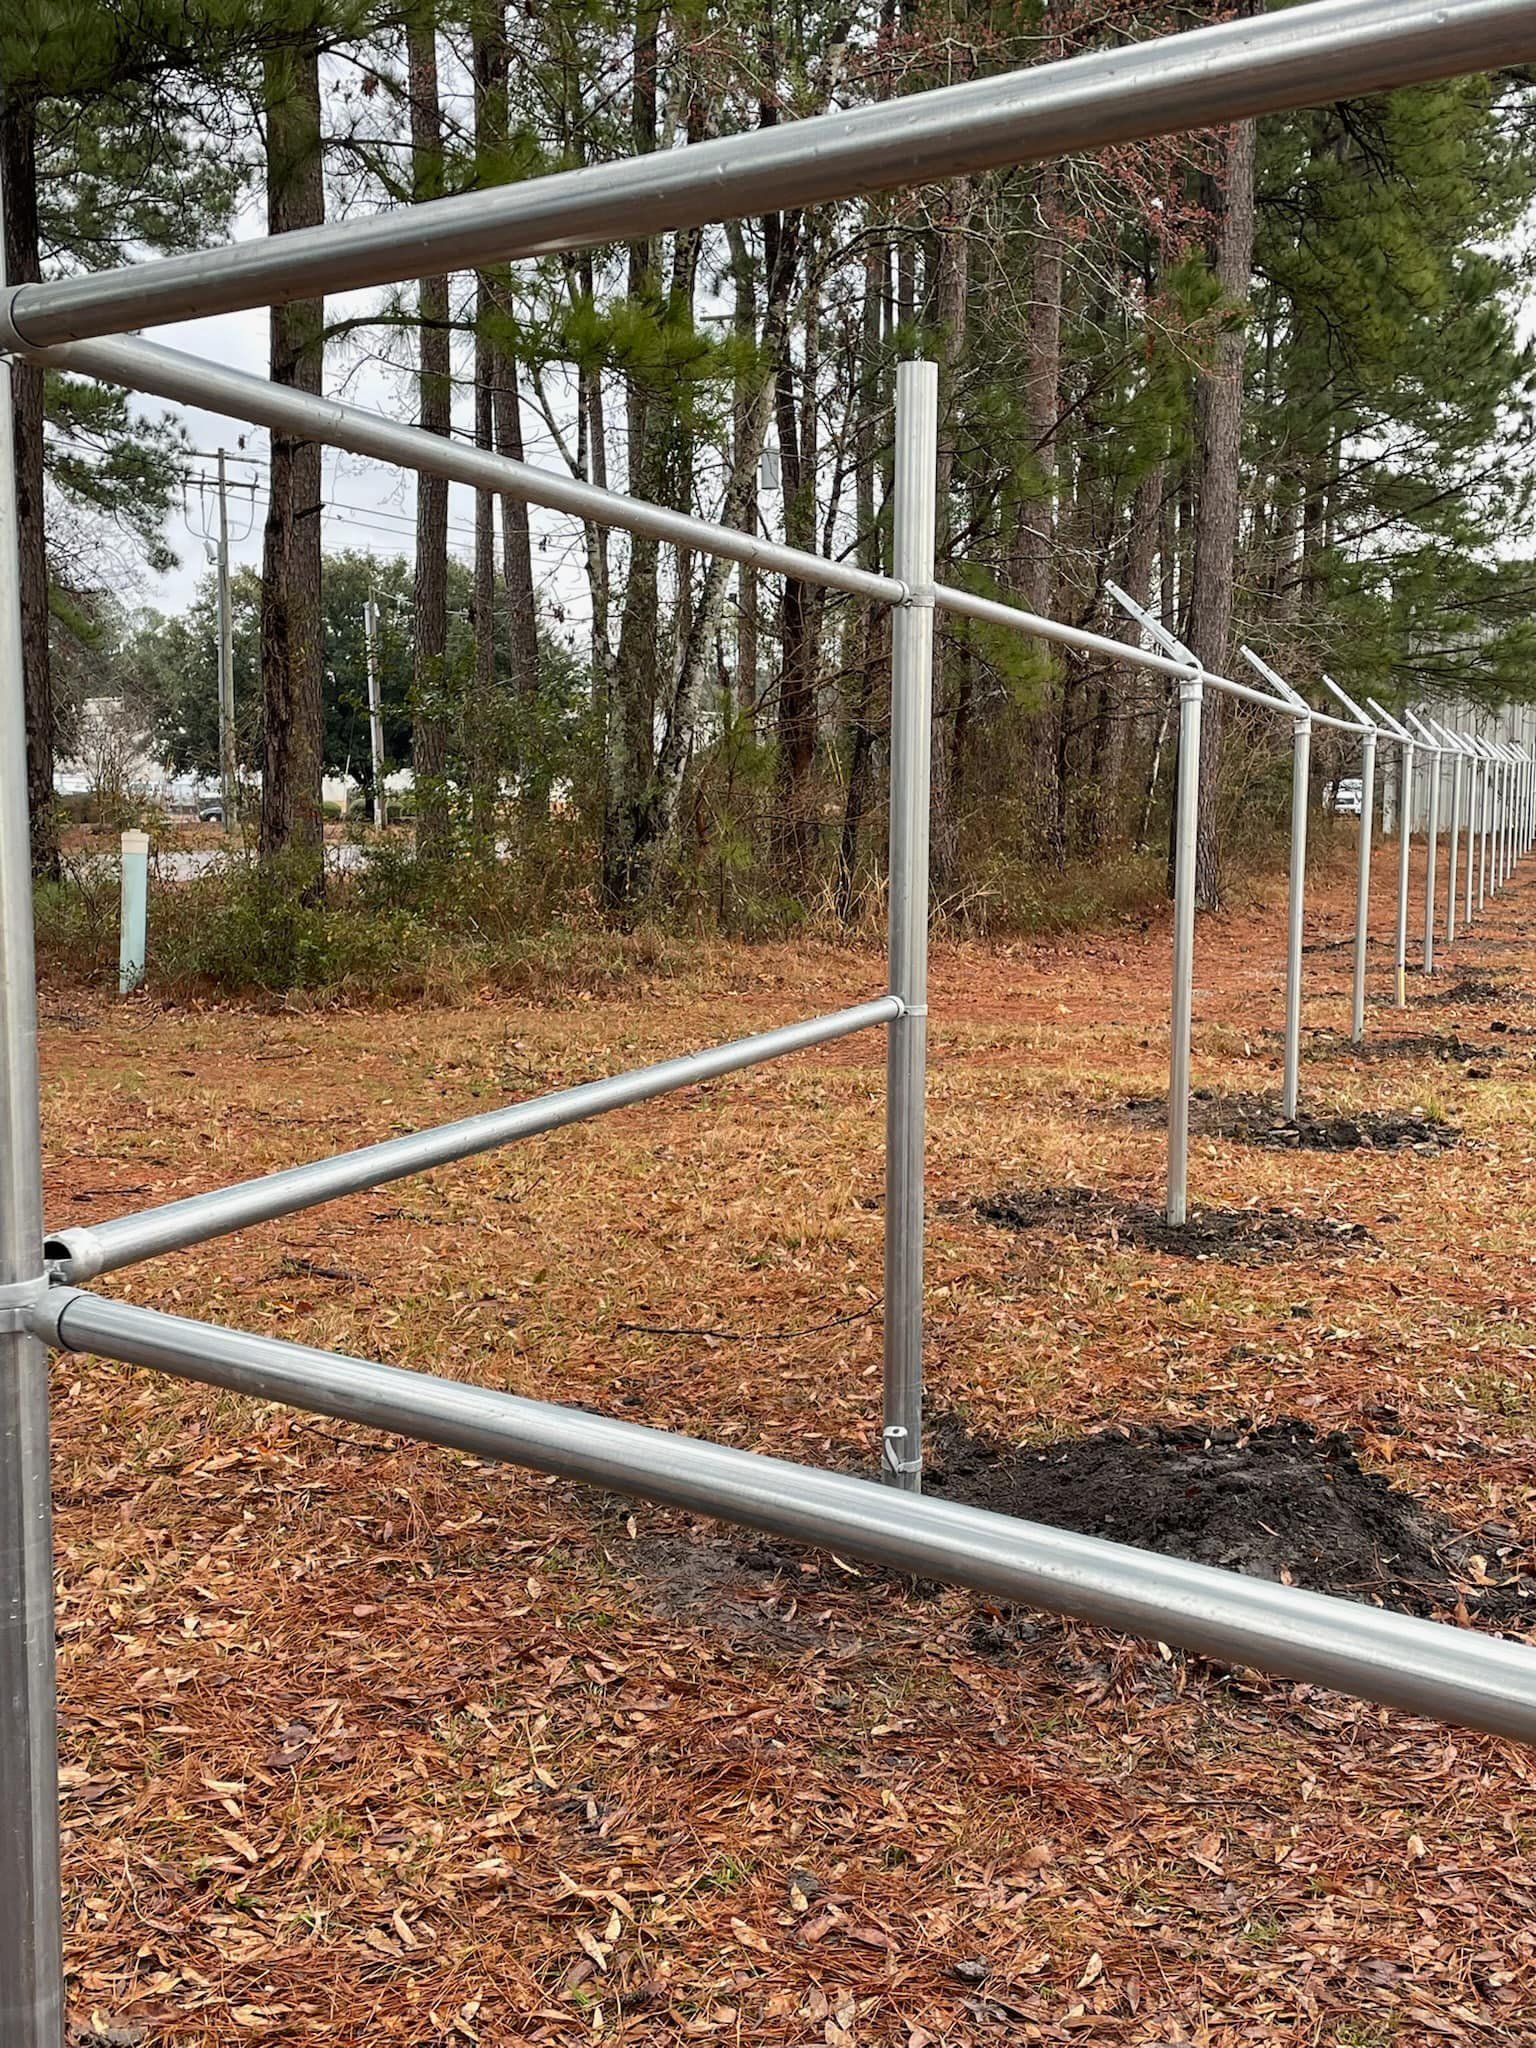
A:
{"points": [[1446, 1046], [1474, 988], [1256, 1120], [1277, 1502], [1244, 1237]]}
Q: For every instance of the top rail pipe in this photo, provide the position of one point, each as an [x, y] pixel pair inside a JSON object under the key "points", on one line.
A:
{"points": [[1424, 1667], [991, 612], [1338, 724], [81, 1253], [190, 380], [1249, 695], [967, 604], [1296, 57]]}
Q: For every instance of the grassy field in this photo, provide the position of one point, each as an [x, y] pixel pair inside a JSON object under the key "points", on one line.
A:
{"points": [[367, 1743]]}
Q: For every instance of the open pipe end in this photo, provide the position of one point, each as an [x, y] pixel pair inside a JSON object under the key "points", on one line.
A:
{"points": [[73, 1255]]}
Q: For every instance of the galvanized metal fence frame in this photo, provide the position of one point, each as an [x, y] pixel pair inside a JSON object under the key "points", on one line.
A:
{"points": [[1294, 57]]}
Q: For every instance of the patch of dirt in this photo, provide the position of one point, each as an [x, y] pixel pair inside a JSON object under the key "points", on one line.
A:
{"points": [[1474, 988], [1277, 1502], [1241, 1237], [1447, 1046], [748, 1588], [1256, 1120]]}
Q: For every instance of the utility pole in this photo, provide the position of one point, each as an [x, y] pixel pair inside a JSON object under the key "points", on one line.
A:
{"points": [[228, 776], [375, 711]]}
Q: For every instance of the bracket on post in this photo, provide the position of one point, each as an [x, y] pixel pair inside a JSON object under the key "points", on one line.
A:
{"points": [[1294, 698], [1395, 726], [891, 1436], [1343, 697], [18, 1298], [1148, 624]]}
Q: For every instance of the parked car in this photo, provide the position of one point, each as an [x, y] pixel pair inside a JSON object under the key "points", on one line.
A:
{"points": [[210, 810], [1347, 794]]}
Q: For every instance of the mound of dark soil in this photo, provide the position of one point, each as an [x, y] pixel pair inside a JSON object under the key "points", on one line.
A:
{"points": [[1474, 988], [1256, 1120], [1277, 1502], [1236, 1236], [1449, 1047]]}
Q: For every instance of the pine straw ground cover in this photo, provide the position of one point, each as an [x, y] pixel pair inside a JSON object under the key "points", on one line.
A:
{"points": [[366, 1743]]}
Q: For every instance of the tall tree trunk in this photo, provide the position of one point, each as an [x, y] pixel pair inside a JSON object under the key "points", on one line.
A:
{"points": [[860, 738], [1219, 437], [482, 723], [1140, 557], [592, 460], [517, 578], [23, 265], [950, 305], [292, 649], [794, 822], [745, 431], [1042, 394], [429, 682], [632, 747], [1034, 541], [684, 704]]}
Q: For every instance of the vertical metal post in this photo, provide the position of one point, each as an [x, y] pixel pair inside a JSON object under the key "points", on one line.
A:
{"points": [[1450, 894], [1363, 884], [1431, 872], [1501, 804], [375, 709], [133, 918], [1186, 825], [1474, 763], [1301, 779], [1511, 784], [917, 409], [1521, 769], [229, 781], [1482, 836], [1404, 840], [1495, 822], [31, 1966]]}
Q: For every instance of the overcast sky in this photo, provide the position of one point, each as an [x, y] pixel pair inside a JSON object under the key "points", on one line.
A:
{"points": [[369, 506]]}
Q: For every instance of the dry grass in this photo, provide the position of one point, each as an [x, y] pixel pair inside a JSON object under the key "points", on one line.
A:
{"points": [[365, 1743]]}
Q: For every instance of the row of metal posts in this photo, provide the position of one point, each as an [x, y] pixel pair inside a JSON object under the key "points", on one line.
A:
{"points": [[1499, 793], [1501, 829]]}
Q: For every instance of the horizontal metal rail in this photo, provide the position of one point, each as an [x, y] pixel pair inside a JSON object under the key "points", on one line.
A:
{"points": [[1250, 695], [172, 373], [1455, 1674], [1295, 57], [992, 613], [967, 604], [83, 1252], [1339, 724]]}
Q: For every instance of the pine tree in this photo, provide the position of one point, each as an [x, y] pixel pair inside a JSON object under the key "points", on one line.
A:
{"points": [[99, 160]]}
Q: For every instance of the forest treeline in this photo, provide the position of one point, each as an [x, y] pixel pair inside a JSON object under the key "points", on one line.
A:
{"points": [[1269, 379]]}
